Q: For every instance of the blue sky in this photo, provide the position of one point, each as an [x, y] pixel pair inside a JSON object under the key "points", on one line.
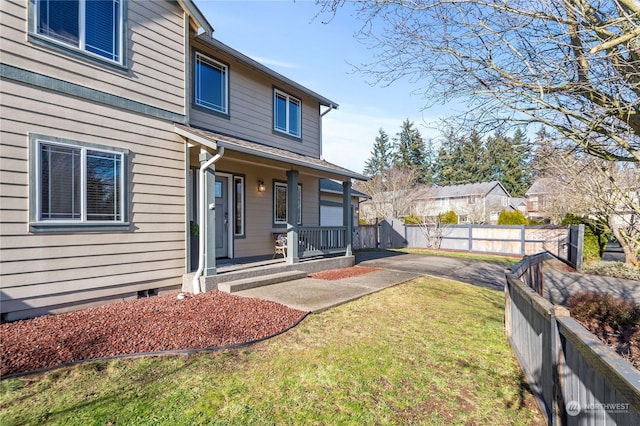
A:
{"points": [[286, 36]]}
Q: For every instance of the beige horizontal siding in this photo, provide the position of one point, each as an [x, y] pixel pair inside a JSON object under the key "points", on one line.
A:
{"points": [[259, 205], [155, 55], [40, 270], [88, 289], [251, 110]]}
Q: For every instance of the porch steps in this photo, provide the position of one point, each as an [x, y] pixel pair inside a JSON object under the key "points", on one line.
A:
{"points": [[259, 281]]}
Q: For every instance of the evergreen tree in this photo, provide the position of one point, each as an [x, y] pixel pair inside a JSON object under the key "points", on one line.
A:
{"points": [[429, 172], [448, 164], [474, 159], [410, 150], [509, 162], [381, 154]]}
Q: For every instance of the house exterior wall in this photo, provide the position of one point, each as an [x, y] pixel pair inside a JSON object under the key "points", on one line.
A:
{"points": [[251, 108], [259, 211], [64, 97], [153, 73]]}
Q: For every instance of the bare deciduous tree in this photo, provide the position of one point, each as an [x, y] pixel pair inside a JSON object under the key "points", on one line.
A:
{"points": [[391, 194], [572, 65], [597, 188], [433, 230]]}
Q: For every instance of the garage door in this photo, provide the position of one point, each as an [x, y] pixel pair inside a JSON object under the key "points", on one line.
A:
{"points": [[330, 216]]}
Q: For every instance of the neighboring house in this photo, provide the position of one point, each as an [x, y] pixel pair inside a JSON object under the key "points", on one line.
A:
{"points": [[387, 204], [108, 111], [331, 203], [473, 202], [519, 204], [543, 203]]}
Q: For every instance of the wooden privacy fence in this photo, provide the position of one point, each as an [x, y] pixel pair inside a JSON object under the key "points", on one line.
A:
{"points": [[577, 379], [564, 242]]}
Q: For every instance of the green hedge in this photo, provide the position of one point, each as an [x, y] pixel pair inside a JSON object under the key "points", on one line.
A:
{"points": [[595, 236], [512, 217]]}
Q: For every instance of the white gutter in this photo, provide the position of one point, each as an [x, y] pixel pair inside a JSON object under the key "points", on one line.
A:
{"points": [[203, 211], [322, 114]]}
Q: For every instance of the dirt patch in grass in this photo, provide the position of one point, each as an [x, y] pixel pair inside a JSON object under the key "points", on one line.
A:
{"points": [[337, 274]]}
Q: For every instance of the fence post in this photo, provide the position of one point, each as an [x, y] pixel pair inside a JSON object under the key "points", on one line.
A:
{"points": [[579, 247], [557, 404], [523, 245], [470, 237]]}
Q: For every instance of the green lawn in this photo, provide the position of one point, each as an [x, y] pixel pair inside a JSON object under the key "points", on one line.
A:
{"points": [[431, 351], [507, 260]]}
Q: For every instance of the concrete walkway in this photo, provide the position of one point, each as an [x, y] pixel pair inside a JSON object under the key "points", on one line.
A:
{"points": [[314, 295], [559, 285]]}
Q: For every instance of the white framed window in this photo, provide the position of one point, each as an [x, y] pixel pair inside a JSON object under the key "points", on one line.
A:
{"points": [[212, 84], [280, 206], [92, 26], [79, 184], [287, 113], [238, 197]]}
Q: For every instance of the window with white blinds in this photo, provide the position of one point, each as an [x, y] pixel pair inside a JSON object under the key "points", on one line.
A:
{"points": [[79, 183]]}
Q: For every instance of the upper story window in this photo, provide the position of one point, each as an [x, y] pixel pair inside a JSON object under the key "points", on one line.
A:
{"points": [[211, 86], [287, 113], [93, 26]]}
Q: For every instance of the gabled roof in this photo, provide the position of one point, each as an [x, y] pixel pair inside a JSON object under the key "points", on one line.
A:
{"points": [[540, 186], [452, 191], [215, 140], [333, 187], [251, 63], [196, 15]]}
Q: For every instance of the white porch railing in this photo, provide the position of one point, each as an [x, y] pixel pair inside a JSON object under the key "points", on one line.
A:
{"points": [[318, 240]]}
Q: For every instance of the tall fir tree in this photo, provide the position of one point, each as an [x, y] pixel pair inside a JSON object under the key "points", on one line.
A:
{"points": [[448, 164], [409, 146], [381, 155], [510, 162]]}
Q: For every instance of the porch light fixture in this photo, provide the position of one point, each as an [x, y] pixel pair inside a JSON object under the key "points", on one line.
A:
{"points": [[261, 187]]}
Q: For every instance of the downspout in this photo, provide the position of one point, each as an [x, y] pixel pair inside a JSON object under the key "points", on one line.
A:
{"points": [[201, 214], [322, 114]]}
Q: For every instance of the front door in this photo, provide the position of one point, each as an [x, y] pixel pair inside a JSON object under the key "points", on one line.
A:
{"points": [[222, 216]]}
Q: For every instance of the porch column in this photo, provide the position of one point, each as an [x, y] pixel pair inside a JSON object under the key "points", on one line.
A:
{"points": [[209, 219], [347, 217], [292, 217]]}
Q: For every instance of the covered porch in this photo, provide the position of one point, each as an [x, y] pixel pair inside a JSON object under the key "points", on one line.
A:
{"points": [[269, 192]]}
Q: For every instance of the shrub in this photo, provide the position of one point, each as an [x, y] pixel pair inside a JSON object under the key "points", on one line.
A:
{"points": [[615, 321], [194, 228], [595, 238], [602, 311], [412, 219], [512, 217], [448, 218]]}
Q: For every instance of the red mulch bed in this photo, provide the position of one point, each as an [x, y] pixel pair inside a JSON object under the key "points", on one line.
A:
{"points": [[160, 323], [337, 274]]}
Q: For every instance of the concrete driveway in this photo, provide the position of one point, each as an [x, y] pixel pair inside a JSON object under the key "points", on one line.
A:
{"points": [[558, 285], [314, 295], [484, 274]]}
